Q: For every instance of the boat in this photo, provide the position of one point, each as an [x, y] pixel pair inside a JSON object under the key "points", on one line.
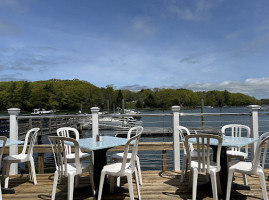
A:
{"points": [[38, 111], [131, 111]]}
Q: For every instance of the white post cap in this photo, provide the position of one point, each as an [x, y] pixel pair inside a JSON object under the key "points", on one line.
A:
{"points": [[95, 110], [254, 107], [175, 108], [14, 111]]}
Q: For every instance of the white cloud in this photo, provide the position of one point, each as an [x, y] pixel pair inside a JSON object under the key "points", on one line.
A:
{"points": [[195, 11], [143, 26], [252, 87], [258, 88], [17, 5]]}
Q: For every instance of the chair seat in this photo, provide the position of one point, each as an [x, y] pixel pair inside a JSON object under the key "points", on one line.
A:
{"points": [[120, 156], [195, 164], [114, 169], [245, 167], [82, 156], [16, 158], [195, 154], [237, 154], [242, 165], [71, 167]]}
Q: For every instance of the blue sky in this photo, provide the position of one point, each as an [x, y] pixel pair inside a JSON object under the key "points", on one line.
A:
{"points": [[195, 44]]}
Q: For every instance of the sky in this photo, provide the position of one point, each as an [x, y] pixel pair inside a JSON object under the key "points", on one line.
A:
{"points": [[199, 45]]}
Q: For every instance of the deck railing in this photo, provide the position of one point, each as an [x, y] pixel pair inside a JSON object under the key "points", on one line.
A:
{"points": [[177, 117], [41, 149]]}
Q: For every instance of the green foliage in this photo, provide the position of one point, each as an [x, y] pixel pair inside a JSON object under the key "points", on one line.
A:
{"points": [[75, 94], [265, 101]]}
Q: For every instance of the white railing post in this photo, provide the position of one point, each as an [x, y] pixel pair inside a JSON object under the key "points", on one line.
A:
{"points": [[176, 110], [254, 125], [13, 134], [95, 125]]}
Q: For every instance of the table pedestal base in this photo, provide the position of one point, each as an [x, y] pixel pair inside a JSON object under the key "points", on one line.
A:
{"points": [[8, 191], [99, 163]]}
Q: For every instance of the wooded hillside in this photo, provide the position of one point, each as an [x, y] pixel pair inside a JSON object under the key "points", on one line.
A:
{"points": [[72, 95]]}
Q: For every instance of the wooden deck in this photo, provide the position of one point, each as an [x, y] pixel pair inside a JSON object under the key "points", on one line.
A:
{"points": [[156, 185]]}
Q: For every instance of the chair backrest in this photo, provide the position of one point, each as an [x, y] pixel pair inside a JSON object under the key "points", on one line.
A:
{"points": [[30, 138], [183, 131], [3, 140], [203, 148], [134, 131], [261, 151], [131, 164], [58, 145], [237, 130], [70, 133]]}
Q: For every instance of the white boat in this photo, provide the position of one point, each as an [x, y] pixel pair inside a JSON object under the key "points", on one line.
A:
{"points": [[38, 111], [131, 111]]}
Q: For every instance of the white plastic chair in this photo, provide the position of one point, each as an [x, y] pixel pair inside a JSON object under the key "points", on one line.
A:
{"points": [[237, 130], [124, 168], [70, 156], [72, 133], [182, 132], [252, 168], [119, 156], [65, 168], [3, 140], [25, 156], [204, 163]]}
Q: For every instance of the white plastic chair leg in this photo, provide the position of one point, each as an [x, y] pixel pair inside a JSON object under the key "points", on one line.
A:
{"points": [[70, 191], [194, 183], [190, 179], [30, 175], [118, 181], [112, 184], [219, 184], [102, 178], [137, 184], [92, 182], [139, 169], [214, 185], [262, 180], [0, 191], [229, 184], [245, 179], [7, 165], [130, 184], [54, 187], [183, 169], [186, 167], [3, 172], [77, 177], [33, 173]]}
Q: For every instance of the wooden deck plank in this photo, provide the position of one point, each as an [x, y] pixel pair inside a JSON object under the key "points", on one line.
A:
{"points": [[156, 185]]}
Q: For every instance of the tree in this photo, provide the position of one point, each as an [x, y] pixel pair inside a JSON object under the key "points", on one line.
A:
{"points": [[119, 99], [25, 95], [150, 101], [139, 104]]}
